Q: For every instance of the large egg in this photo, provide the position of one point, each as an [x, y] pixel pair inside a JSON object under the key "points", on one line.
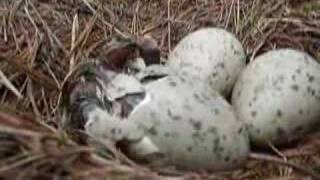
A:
{"points": [[191, 128], [278, 96], [176, 124], [213, 54]]}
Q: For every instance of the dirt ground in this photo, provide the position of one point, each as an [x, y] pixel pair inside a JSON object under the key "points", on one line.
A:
{"points": [[41, 41]]}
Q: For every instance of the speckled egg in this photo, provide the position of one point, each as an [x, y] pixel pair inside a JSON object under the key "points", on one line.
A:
{"points": [[176, 124], [189, 128], [278, 96], [213, 54]]}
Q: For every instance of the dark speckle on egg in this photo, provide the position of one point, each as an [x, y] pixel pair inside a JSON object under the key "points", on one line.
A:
{"points": [[174, 117], [113, 131], [199, 98], [96, 118], [153, 131], [279, 113], [205, 96], [196, 124], [227, 159], [216, 145], [232, 46], [295, 87], [239, 93], [298, 71], [227, 78], [253, 113], [182, 78], [120, 89], [187, 107], [167, 134], [301, 111], [224, 137], [197, 136], [221, 65], [250, 126], [214, 74], [254, 99], [216, 111], [306, 58], [310, 77], [213, 130], [172, 84], [311, 91]]}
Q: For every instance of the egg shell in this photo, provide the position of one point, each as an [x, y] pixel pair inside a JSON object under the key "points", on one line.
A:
{"points": [[278, 96], [213, 54], [192, 128]]}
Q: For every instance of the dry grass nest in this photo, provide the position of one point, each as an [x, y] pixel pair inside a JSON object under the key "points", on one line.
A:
{"points": [[41, 41]]}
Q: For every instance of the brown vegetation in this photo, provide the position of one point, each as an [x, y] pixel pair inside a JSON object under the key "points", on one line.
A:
{"points": [[42, 41]]}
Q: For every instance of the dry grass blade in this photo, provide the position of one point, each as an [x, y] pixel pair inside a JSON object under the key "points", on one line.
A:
{"points": [[169, 24], [42, 43], [23, 132], [5, 81], [16, 164], [75, 29]]}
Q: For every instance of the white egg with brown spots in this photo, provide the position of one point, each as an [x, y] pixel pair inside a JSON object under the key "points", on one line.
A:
{"points": [[213, 54], [191, 129], [278, 96], [169, 121]]}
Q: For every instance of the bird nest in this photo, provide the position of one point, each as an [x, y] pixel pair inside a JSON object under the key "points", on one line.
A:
{"points": [[41, 41]]}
